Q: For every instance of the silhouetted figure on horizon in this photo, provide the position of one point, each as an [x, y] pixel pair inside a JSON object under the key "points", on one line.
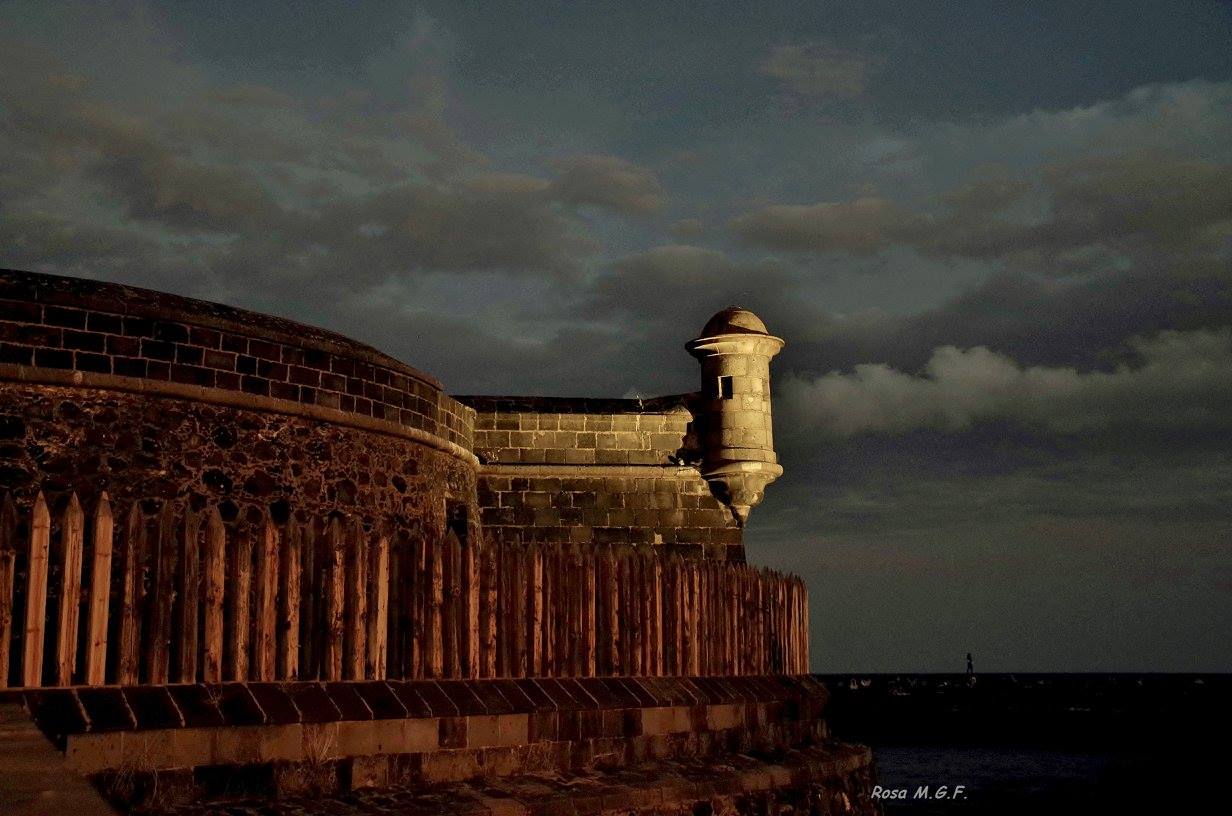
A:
{"points": [[970, 665]]}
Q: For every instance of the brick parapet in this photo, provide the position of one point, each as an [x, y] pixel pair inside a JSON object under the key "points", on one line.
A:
{"points": [[68, 324], [485, 404], [598, 471], [545, 430]]}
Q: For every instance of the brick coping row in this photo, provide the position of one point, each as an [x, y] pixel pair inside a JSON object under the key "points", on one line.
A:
{"points": [[83, 327], [488, 404], [31, 376], [61, 712], [114, 298]]}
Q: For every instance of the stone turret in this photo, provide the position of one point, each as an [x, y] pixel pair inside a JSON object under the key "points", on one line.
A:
{"points": [[737, 436]]}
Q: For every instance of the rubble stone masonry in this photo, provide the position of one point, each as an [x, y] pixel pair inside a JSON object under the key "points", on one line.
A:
{"points": [[155, 397]]}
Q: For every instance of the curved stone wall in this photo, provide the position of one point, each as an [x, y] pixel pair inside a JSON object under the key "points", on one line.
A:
{"points": [[60, 439], [53, 323], [149, 395]]}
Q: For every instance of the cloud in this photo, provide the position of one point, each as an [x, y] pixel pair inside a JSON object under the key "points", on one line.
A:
{"points": [[1169, 200], [1099, 209], [1128, 205], [1111, 185], [687, 228], [1182, 380], [249, 96], [606, 181], [251, 186], [817, 69], [667, 284], [494, 223], [861, 227]]}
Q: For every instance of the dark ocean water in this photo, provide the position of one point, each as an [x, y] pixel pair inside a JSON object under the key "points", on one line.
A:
{"points": [[1043, 744], [1003, 779]]}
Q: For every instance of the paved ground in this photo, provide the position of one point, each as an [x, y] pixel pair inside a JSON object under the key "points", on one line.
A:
{"points": [[33, 779]]}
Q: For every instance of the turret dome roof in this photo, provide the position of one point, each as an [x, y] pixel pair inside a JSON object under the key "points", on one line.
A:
{"points": [[734, 320]]}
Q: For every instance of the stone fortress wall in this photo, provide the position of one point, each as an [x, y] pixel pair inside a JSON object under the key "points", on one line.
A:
{"points": [[598, 471], [152, 396], [91, 327], [244, 557]]}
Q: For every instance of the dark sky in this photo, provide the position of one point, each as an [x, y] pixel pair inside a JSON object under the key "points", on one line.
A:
{"points": [[996, 237]]}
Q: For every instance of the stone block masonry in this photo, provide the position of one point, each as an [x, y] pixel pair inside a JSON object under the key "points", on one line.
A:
{"points": [[158, 399], [149, 395], [599, 471], [670, 509], [169, 745], [60, 324], [545, 430]]}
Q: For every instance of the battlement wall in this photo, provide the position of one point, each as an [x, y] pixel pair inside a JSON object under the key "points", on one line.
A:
{"points": [[545, 430], [598, 471]]}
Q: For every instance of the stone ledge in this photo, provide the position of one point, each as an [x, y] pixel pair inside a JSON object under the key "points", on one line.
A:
{"points": [[647, 732], [576, 405], [62, 712], [233, 399], [34, 780], [31, 292], [558, 470]]}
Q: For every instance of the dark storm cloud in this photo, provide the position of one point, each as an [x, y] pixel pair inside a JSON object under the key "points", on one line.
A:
{"points": [[607, 181], [654, 296], [254, 173], [1039, 321], [688, 228], [818, 69], [1113, 204], [33, 241], [500, 222], [860, 227], [648, 285], [352, 195], [1120, 182], [998, 251]]}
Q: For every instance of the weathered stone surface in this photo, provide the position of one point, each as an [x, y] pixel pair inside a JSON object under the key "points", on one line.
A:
{"points": [[72, 324], [34, 778], [137, 447], [153, 707], [823, 780], [198, 707], [668, 508]]}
